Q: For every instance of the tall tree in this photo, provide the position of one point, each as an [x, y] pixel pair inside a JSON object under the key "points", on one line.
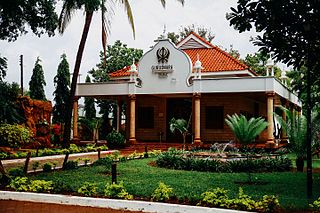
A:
{"points": [[3, 67], [62, 91], [37, 82], [89, 108], [204, 32], [89, 6], [290, 30], [16, 15], [9, 112]]}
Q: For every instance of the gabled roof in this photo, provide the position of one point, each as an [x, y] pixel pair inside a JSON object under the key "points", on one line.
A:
{"points": [[213, 58]]}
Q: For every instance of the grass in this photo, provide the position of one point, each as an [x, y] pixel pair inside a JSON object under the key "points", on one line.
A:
{"points": [[141, 179]]}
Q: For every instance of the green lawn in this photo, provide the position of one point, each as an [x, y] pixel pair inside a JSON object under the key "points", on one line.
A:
{"points": [[141, 179]]}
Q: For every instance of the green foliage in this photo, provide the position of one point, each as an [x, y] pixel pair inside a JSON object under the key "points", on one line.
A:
{"points": [[71, 165], [115, 140], [203, 32], [37, 82], [162, 193], [15, 135], [106, 161], [117, 191], [47, 167], [16, 172], [40, 186], [3, 67], [180, 125], [89, 107], [315, 205], [245, 130], [218, 197], [296, 129], [19, 184], [35, 165], [88, 189], [177, 161], [62, 90], [38, 16], [89, 128], [74, 148], [9, 111], [86, 161]]}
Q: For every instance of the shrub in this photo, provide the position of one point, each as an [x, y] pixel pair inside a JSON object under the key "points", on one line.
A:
{"points": [[315, 205], [54, 164], [15, 135], [103, 148], [218, 197], [86, 161], [35, 165], [19, 184], [16, 172], [61, 186], [40, 186], [106, 161], [74, 148], [162, 193], [269, 204], [88, 189], [115, 140], [3, 155], [71, 165], [47, 167], [117, 191]]}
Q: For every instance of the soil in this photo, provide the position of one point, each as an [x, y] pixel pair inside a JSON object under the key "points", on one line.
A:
{"points": [[9, 206]]}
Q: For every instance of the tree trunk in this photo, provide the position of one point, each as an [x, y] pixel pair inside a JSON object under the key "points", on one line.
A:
{"points": [[69, 106]]}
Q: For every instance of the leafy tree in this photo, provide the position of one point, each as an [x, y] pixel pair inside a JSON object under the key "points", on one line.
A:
{"points": [[180, 125], [38, 15], [9, 111], [89, 6], [205, 33], [3, 67], [37, 82], [89, 108], [118, 56], [62, 91], [246, 131], [289, 29]]}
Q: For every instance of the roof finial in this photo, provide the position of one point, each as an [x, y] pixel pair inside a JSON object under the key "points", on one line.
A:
{"points": [[164, 31]]}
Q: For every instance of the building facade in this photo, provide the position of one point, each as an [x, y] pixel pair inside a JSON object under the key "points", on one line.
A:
{"points": [[196, 81]]}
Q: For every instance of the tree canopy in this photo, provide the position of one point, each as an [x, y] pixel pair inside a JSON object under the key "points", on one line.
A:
{"points": [[62, 91], [89, 107], [16, 16], [37, 82], [3, 67], [118, 56]]}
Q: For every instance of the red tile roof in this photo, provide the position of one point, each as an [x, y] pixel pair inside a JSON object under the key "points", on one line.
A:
{"points": [[213, 59]]}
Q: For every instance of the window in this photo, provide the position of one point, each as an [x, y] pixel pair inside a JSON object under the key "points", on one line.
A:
{"points": [[145, 117], [214, 117]]}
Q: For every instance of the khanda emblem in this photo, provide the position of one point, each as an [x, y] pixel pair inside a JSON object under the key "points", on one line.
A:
{"points": [[163, 55]]}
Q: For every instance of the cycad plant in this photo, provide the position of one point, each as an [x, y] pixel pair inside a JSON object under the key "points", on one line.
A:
{"points": [[296, 129], [180, 125], [246, 131]]}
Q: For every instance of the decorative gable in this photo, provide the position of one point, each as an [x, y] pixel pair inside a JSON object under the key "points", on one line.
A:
{"points": [[193, 41]]}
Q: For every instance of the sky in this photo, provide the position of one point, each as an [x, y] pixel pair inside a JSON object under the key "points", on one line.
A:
{"points": [[149, 19]]}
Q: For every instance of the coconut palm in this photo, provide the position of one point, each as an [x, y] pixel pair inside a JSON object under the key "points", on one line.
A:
{"points": [[246, 131], [181, 126], [296, 129], [89, 6]]}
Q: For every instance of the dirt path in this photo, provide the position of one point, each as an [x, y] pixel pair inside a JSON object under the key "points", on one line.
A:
{"points": [[9, 206]]}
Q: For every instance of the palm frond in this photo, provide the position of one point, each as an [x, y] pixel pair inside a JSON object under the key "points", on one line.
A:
{"points": [[128, 10], [68, 9]]}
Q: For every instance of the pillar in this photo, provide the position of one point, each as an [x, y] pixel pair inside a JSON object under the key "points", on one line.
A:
{"points": [[132, 134], [284, 136], [270, 137], [197, 127], [75, 119], [119, 112]]}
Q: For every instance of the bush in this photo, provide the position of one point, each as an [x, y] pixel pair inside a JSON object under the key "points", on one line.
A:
{"points": [[115, 140], [218, 197], [15, 135], [107, 161], [19, 184], [16, 172], [88, 189], [35, 165], [74, 148], [3, 155], [47, 167], [162, 193], [71, 165], [117, 191], [174, 160], [40, 186], [60, 186], [315, 205]]}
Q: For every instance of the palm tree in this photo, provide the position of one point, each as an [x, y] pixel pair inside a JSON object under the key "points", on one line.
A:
{"points": [[89, 6], [296, 129], [180, 125], [246, 131]]}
